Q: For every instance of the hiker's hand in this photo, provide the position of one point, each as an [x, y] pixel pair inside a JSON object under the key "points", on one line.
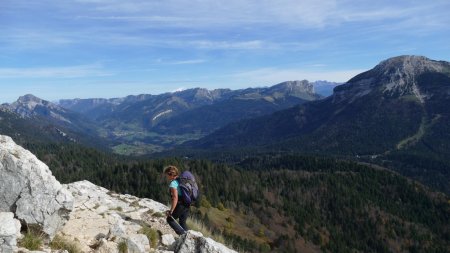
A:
{"points": [[169, 213]]}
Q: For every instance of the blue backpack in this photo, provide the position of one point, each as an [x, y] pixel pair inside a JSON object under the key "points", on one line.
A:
{"points": [[188, 187]]}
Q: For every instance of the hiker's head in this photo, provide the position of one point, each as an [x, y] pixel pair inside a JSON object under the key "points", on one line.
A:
{"points": [[171, 171]]}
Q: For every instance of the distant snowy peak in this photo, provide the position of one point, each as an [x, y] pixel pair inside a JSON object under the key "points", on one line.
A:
{"points": [[324, 88]]}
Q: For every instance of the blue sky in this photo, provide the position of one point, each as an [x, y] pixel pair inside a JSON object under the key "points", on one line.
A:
{"points": [[113, 48]]}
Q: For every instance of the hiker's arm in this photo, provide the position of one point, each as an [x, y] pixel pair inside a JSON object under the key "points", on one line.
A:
{"points": [[174, 193]]}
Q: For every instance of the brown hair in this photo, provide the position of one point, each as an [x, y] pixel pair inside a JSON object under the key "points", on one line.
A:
{"points": [[171, 170]]}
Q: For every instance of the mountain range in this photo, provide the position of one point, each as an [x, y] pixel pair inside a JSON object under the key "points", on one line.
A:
{"points": [[31, 119], [399, 110], [148, 123], [395, 115], [283, 169]]}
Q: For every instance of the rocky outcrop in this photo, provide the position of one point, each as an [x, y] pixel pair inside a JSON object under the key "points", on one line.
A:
{"points": [[92, 218], [195, 242], [101, 220], [104, 218], [29, 190], [9, 232]]}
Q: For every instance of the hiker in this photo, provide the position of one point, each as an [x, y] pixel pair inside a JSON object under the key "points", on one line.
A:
{"points": [[178, 210]]}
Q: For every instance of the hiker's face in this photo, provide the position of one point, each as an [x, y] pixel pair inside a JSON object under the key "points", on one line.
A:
{"points": [[171, 176]]}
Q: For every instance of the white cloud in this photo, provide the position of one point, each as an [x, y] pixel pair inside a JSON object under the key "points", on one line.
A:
{"points": [[54, 72]]}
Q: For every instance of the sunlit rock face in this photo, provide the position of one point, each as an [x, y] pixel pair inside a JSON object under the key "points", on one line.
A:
{"points": [[30, 191]]}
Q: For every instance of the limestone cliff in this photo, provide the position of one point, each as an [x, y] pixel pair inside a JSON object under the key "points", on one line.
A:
{"points": [[30, 191]]}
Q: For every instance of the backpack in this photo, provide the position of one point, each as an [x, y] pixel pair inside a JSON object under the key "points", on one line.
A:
{"points": [[188, 187]]}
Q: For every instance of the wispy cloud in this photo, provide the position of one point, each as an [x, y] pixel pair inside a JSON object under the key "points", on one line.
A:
{"points": [[152, 23], [304, 13], [210, 44], [54, 72], [195, 61], [229, 35]]}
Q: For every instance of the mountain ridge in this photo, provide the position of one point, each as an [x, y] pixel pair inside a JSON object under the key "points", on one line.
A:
{"points": [[369, 83], [56, 124], [376, 114], [158, 122]]}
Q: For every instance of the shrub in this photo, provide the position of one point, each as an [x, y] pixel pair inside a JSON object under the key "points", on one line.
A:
{"points": [[205, 203], [220, 207]]}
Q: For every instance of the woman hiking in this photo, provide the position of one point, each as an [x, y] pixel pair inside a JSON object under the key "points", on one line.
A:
{"points": [[177, 210]]}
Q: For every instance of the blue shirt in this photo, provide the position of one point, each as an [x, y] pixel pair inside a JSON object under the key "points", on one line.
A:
{"points": [[176, 185]]}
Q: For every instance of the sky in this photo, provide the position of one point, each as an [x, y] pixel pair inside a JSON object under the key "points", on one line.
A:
{"points": [[60, 49]]}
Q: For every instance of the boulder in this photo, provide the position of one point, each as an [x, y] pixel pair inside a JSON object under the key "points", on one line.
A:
{"points": [[167, 240], [138, 243], [117, 229], [107, 247], [193, 241], [28, 189], [9, 231]]}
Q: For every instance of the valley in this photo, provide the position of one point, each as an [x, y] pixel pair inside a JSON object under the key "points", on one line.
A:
{"points": [[281, 168]]}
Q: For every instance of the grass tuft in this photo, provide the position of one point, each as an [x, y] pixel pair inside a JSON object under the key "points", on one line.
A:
{"points": [[32, 239], [122, 247], [61, 243], [199, 226], [152, 235], [158, 214]]}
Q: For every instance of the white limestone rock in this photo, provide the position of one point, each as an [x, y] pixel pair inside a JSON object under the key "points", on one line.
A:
{"points": [[28, 188], [194, 241], [104, 218], [9, 232], [116, 216], [116, 229], [107, 247], [138, 243], [167, 240]]}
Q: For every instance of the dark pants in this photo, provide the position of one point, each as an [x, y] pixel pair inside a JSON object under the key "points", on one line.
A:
{"points": [[181, 212]]}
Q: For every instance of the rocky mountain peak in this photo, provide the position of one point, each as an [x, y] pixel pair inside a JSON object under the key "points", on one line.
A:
{"points": [[29, 98], [394, 77], [29, 105], [408, 65], [296, 86], [30, 101], [26, 105]]}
